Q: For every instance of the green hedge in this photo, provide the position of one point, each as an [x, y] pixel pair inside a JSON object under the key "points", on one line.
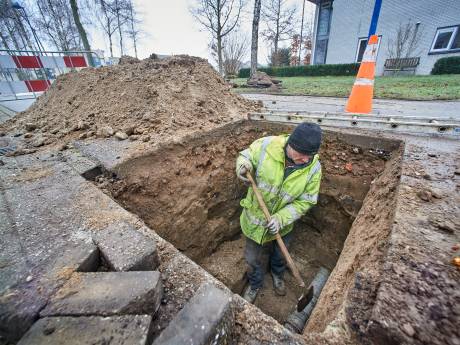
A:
{"points": [[307, 70], [447, 65]]}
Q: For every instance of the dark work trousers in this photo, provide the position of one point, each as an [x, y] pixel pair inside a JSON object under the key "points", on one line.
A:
{"points": [[258, 256]]}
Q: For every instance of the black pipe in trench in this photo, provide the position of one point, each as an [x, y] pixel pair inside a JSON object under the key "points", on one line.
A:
{"points": [[296, 321]]}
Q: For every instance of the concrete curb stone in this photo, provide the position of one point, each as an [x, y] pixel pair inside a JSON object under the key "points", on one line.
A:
{"points": [[115, 330], [208, 318], [106, 294], [123, 248]]}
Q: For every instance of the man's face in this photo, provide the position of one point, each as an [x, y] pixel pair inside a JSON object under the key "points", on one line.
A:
{"points": [[297, 157]]}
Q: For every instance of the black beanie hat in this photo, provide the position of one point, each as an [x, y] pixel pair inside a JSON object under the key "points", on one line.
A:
{"points": [[306, 138]]}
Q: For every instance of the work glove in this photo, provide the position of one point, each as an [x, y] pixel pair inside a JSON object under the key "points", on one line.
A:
{"points": [[273, 226], [242, 169]]}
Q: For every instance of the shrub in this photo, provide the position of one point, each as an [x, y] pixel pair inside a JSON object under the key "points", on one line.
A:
{"points": [[307, 70], [447, 65]]}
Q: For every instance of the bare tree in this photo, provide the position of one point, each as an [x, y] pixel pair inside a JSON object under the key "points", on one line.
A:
{"points": [[219, 17], [121, 10], [114, 16], [405, 42], [306, 37], [133, 22], [107, 19], [14, 33], [56, 24], [279, 23], [235, 48], [81, 30], [255, 36]]}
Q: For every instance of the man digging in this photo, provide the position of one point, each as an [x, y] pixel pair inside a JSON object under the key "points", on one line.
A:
{"points": [[288, 173]]}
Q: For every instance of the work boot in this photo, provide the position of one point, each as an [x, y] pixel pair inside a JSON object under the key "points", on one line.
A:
{"points": [[250, 294], [278, 284]]}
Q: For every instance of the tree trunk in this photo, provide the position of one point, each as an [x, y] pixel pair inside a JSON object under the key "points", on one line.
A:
{"points": [[81, 30], [301, 32], [132, 28], [219, 38], [277, 35], [119, 27], [135, 46], [255, 36], [219, 53], [111, 46]]}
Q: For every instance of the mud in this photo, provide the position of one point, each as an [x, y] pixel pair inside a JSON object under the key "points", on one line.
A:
{"points": [[188, 193]]}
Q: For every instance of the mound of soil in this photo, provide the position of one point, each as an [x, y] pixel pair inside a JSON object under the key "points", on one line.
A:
{"points": [[263, 80], [136, 100]]}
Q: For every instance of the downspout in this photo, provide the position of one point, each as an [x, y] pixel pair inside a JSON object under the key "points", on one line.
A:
{"points": [[315, 29]]}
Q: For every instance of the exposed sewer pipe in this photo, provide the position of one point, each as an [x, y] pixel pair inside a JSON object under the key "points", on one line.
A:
{"points": [[296, 321]]}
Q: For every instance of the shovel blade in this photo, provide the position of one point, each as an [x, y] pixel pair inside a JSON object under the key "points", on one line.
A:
{"points": [[305, 299]]}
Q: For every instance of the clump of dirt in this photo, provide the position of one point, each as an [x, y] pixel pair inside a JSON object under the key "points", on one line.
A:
{"points": [[128, 60], [145, 100], [263, 80]]}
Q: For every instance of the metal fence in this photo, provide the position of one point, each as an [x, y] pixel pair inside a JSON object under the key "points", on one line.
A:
{"points": [[26, 74]]}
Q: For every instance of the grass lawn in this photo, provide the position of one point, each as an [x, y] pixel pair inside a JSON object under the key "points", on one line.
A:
{"points": [[405, 87]]}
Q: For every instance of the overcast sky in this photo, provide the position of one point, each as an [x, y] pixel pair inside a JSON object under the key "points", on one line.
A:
{"points": [[169, 28]]}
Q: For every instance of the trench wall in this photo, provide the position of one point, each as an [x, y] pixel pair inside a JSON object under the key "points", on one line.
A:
{"points": [[187, 191]]}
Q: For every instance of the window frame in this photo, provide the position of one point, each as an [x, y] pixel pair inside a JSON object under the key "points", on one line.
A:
{"points": [[365, 39], [455, 29]]}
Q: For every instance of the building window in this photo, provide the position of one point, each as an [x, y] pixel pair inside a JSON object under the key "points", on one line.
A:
{"points": [[323, 29], [446, 40], [362, 44]]}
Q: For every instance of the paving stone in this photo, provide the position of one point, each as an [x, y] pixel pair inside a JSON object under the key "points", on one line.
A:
{"points": [[107, 293], [206, 319], [82, 165], [126, 249], [26, 291], [114, 330]]}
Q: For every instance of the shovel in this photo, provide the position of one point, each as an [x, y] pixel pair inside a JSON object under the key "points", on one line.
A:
{"points": [[307, 294]]}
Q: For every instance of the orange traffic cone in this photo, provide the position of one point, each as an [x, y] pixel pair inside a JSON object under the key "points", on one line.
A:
{"points": [[360, 100]]}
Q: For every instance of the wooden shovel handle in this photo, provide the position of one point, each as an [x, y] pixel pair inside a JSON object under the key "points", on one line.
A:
{"points": [[259, 197], [279, 240]]}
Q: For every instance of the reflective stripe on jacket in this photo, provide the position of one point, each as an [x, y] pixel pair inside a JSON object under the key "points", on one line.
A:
{"points": [[287, 199]]}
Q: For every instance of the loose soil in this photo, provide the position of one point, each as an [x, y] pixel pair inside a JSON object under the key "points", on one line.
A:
{"points": [[148, 100], [188, 193]]}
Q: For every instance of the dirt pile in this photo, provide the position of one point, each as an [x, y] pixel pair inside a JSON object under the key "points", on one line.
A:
{"points": [[263, 80], [150, 99]]}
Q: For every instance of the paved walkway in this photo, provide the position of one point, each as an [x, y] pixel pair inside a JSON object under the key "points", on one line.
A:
{"points": [[446, 109]]}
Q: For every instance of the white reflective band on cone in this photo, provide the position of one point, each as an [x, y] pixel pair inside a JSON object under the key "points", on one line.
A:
{"points": [[370, 53], [364, 81]]}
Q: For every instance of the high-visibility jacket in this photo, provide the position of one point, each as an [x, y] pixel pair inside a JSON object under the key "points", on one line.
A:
{"points": [[287, 199]]}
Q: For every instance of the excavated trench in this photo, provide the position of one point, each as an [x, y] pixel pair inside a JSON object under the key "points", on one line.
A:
{"points": [[188, 193]]}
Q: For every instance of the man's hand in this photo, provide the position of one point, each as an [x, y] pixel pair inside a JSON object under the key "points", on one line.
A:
{"points": [[241, 171], [273, 226]]}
